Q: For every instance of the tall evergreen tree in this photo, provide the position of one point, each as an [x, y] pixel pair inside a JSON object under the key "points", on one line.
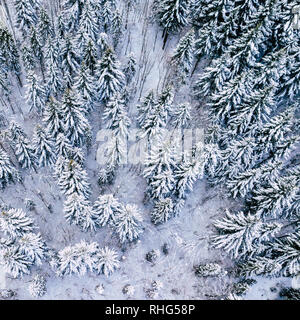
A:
{"points": [[44, 147], [73, 179], [75, 123], [173, 15], [35, 93], [110, 78]]}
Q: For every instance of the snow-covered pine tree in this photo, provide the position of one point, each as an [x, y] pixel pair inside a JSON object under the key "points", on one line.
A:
{"points": [[159, 169], [35, 94], [280, 258], [130, 68], [78, 211], [181, 115], [145, 108], [183, 56], [63, 146], [37, 287], [128, 224], [84, 84], [54, 83], [116, 27], [9, 52], [53, 118], [103, 42], [84, 257], [15, 223], [88, 27], [70, 59], [115, 116], [275, 131], [8, 173], [106, 207], [107, 261], [76, 124], [72, 11], [156, 117], [36, 45], [44, 26], [111, 79], [217, 21], [187, 173], [163, 210], [33, 247], [106, 16], [24, 152], [77, 155], [44, 146], [90, 56], [73, 179], [247, 181], [26, 15], [275, 198], [14, 262], [77, 259], [28, 59], [172, 16], [242, 234]]}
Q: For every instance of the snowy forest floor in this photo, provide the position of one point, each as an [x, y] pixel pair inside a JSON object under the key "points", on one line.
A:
{"points": [[187, 235]]}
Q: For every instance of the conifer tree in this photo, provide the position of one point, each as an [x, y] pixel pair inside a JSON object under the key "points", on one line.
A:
{"points": [[35, 94], [108, 261], [241, 233], [15, 223], [14, 262], [73, 179], [26, 16], [110, 78], [88, 27], [53, 118], [79, 211], [8, 173], [130, 68], [33, 247], [116, 27], [128, 223], [183, 56], [25, 152], [85, 86], [172, 16], [146, 108], [90, 56], [44, 146], [163, 210], [28, 59], [103, 42], [44, 26], [63, 146], [9, 52], [70, 59], [75, 122], [159, 170], [106, 207]]}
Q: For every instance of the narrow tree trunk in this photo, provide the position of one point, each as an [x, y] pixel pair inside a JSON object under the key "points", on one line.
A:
{"points": [[196, 65], [165, 40]]}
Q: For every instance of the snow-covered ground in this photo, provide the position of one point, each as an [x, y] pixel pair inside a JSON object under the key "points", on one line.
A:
{"points": [[187, 236]]}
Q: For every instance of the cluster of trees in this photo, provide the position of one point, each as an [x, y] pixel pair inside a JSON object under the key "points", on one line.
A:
{"points": [[252, 90], [21, 247], [85, 257], [170, 170]]}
